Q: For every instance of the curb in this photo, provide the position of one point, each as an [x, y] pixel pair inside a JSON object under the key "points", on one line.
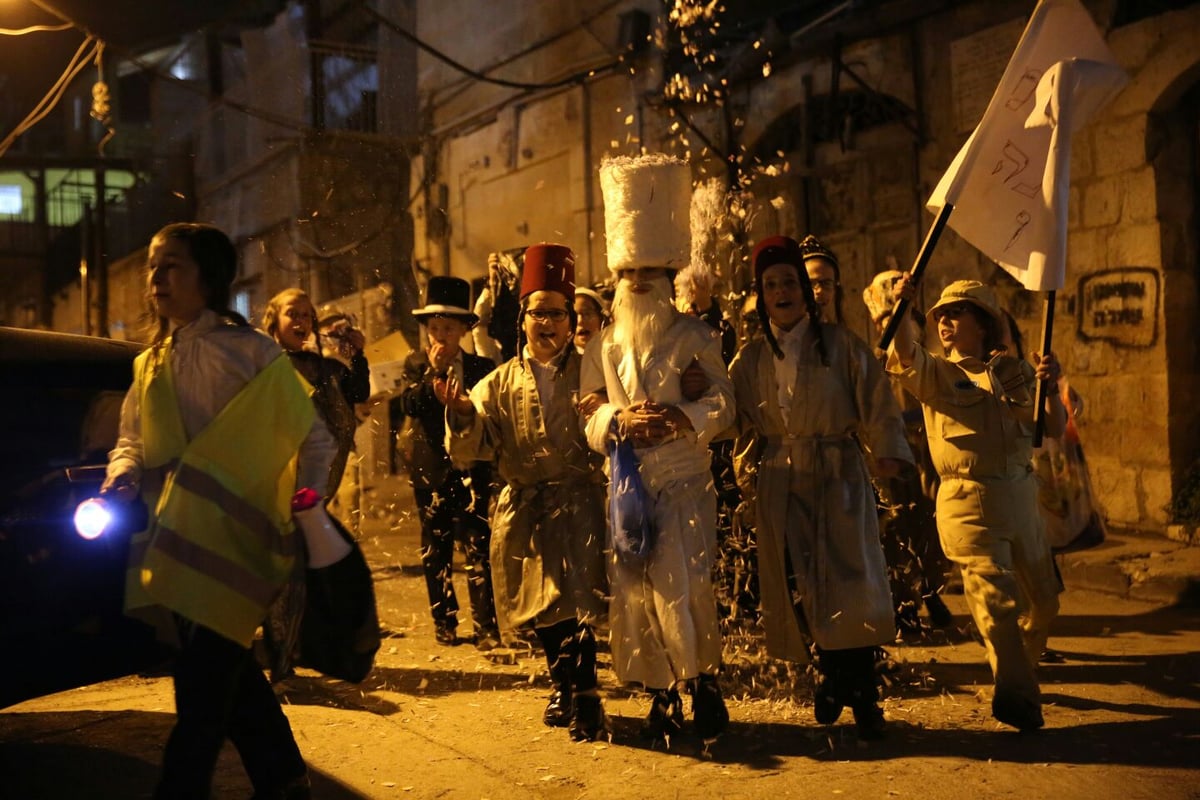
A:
{"points": [[1140, 567]]}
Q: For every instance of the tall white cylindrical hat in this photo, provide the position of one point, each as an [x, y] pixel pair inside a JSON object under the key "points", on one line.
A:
{"points": [[647, 203]]}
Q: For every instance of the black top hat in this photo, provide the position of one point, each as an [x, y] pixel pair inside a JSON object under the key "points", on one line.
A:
{"points": [[447, 297]]}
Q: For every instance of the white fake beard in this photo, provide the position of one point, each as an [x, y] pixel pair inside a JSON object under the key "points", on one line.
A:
{"points": [[640, 320]]}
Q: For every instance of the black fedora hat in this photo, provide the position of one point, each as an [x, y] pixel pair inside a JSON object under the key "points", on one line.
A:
{"points": [[447, 297]]}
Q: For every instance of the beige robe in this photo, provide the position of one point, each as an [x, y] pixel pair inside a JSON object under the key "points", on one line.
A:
{"points": [[816, 507], [547, 550]]}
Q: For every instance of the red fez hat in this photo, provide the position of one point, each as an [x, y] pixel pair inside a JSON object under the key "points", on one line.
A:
{"points": [[548, 268], [776, 250]]}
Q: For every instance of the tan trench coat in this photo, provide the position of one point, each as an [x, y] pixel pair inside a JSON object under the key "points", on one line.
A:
{"points": [[548, 528], [816, 507]]}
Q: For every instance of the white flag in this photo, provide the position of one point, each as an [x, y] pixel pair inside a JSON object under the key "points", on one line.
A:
{"points": [[1009, 183]]}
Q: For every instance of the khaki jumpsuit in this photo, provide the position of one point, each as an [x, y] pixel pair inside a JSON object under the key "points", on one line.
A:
{"points": [[978, 418]]}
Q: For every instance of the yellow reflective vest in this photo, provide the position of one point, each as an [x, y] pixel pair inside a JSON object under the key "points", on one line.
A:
{"points": [[220, 543]]}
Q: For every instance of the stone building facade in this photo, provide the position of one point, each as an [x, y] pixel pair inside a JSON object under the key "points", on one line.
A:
{"points": [[410, 138], [840, 126]]}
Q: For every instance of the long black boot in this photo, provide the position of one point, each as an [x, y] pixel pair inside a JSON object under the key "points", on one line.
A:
{"points": [[588, 721], [827, 699], [556, 641], [858, 672], [709, 714], [666, 714]]}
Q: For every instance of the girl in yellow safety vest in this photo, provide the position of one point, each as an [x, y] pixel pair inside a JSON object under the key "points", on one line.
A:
{"points": [[210, 432]]}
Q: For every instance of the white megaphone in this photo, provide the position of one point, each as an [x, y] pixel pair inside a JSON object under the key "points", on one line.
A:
{"points": [[325, 544]]}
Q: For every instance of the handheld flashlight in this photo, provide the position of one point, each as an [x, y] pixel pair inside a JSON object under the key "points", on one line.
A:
{"points": [[93, 517]]}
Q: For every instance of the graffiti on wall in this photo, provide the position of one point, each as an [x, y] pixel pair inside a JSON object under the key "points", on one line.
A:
{"points": [[1120, 306]]}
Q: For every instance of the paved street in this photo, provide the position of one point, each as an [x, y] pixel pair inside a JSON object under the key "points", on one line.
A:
{"points": [[1123, 718]]}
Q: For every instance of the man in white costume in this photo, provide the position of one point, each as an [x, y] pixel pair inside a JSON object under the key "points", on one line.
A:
{"points": [[663, 614]]}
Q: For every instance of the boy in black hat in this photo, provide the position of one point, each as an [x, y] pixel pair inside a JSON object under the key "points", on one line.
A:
{"points": [[452, 503]]}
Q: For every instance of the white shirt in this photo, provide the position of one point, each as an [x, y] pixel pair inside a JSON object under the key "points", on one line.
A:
{"points": [[211, 361], [786, 368], [543, 376]]}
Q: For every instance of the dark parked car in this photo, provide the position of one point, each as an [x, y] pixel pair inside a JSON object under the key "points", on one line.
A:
{"points": [[61, 620]]}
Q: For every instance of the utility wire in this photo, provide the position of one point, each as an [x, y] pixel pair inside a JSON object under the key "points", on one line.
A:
{"points": [[300, 127], [577, 77], [458, 87], [87, 53], [66, 26], [152, 69]]}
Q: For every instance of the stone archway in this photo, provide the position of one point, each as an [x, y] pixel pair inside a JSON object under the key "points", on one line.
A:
{"points": [[1173, 151], [1132, 278]]}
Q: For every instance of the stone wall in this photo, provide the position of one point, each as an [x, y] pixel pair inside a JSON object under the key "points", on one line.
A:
{"points": [[1125, 329], [1128, 338]]}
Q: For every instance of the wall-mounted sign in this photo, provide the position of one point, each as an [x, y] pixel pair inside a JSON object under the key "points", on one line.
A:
{"points": [[1120, 306]]}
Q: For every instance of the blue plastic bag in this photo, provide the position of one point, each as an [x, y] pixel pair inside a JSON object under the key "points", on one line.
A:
{"points": [[630, 507]]}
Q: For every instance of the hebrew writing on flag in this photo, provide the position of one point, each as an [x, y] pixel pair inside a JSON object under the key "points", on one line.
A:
{"points": [[1009, 183]]}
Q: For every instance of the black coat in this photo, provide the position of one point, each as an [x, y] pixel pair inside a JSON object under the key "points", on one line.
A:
{"points": [[430, 467]]}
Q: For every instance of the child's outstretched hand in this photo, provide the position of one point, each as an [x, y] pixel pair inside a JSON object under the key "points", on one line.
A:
{"points": [[449, 393], [904, 288]]}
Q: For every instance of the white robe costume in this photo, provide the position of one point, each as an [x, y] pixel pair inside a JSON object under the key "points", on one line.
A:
{"points": [[663, 613]]}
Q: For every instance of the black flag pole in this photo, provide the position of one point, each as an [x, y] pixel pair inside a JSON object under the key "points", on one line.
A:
{"points": [[1039, 397], [922, 260]]}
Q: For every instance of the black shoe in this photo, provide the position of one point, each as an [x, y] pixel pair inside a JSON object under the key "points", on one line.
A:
{"points": [[587, 718], [487, 640], [826, 705], [939, 615], [1020, 712], [558, 710], [1049, 656], [868, 722], [446, 636], [666, 715], [709, 714]]}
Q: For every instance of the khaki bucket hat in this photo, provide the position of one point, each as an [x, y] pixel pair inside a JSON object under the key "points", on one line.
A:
{"points": [[973, 292]]}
